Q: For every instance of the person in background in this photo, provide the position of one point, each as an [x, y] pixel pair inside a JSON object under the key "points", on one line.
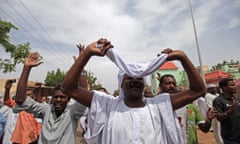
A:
{"points": [[60, 120], [38, 92], [129, 118], [6, 110], [189, 116], [28, 123], [2, 120], [212, 93], [147, 91], [202, 105], [49, 99], [228, 107], [2, 125], [44, 99]]}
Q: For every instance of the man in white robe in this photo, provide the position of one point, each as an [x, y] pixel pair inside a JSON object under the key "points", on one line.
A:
{"points": [[130, 118]]}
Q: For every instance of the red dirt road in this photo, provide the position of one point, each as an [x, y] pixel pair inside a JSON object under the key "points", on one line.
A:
{"points": [[206, 138]]}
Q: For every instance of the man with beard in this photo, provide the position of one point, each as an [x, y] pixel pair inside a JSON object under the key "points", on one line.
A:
{"points": [[60, 120], [130, 118]]}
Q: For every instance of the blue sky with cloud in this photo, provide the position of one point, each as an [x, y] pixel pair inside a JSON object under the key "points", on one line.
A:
{"points": [[138, 29]]}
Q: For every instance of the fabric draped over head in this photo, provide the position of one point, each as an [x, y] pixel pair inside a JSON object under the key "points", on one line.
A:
{"points": [[104, 112], [135, 70]]}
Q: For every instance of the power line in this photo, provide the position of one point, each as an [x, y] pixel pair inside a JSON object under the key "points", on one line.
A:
{"points": [[51, 49], [24, 6], [16, 39], [19, 25]]}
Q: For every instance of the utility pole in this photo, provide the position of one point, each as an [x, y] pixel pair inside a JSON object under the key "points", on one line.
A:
{"points": [[196, 39]]}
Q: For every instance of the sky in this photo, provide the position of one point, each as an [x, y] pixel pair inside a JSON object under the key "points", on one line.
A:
{"points": [[138, 29]]}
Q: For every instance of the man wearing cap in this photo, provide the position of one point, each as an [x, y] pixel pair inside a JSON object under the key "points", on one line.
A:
{"points": [[212, 93]]}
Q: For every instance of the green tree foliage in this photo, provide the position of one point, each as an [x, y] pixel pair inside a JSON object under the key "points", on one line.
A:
{"points": [[92, 81], [53, 78], [17, 52], [231, 63]]}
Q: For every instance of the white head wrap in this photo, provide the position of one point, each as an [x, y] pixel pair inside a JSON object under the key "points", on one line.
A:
{"points": [[135, 70]]}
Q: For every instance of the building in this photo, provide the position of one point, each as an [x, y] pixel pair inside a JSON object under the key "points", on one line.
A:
{"points": [[182, 80], [234, 70], [216, 76], [45, 91]]}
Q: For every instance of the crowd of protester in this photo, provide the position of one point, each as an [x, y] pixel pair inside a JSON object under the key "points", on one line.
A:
{"points": [[133, 114]]}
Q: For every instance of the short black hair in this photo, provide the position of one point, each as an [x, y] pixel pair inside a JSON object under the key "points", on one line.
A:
{"points": [[57, 87], [224, 82], [166, 75], [33, 89]]}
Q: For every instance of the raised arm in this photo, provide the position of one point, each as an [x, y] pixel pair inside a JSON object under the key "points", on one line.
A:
{"points": [[31, 61], [7, 100], [70, 85], [38, 92], [196, 88], [82, 81], [8, 86]]}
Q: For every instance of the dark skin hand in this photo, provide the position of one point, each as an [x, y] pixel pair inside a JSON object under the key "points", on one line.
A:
{"points": [[196, 87], [8, 86], [211, 114], [82, 79], [33, 60], [93, 50], [80, 50], [71, 86]]}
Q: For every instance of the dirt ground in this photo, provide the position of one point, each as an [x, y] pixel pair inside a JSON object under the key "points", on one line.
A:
{"points": [[207, 138], [203, 138]]}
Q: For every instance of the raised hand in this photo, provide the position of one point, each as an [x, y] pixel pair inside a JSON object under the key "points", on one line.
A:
{"points": [[80, 50], [8, 84], [174, 54], [33, 60], [99, 47], [211, 113], [167, 50]]}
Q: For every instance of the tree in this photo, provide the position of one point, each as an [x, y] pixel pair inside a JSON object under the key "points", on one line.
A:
{"points": [[17, 52], [54, 78], [232, 64], [92, 81]]}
